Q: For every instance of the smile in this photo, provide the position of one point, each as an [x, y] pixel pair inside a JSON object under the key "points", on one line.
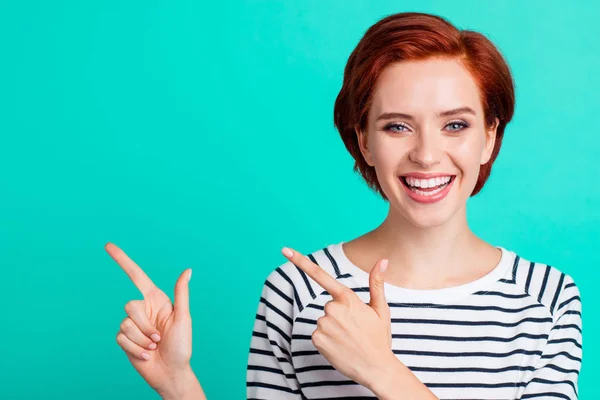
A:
{"points": [[427, 189]]}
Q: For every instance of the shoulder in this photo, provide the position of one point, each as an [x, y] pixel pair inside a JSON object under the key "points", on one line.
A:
{"points": [[547, 284], [289, 282]]}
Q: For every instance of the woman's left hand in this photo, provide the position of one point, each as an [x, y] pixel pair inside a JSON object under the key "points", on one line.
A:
{"points": [[354, 337]]}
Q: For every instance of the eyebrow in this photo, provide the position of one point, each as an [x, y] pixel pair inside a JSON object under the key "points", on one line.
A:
{"points": [[460, 110]]}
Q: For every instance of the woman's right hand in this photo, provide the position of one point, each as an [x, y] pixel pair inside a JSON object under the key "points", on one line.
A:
{"points": [[156, 335]]}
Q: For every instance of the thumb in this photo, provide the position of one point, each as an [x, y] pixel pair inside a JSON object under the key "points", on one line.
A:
{"points": [[376, 286], [182, 294]]}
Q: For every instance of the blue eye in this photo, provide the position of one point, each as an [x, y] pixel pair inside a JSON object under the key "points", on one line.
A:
{"points": [[460, 124], [394, 127]]}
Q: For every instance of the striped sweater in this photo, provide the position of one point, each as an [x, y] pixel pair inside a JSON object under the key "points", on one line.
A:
{"points": [[515, 333]]}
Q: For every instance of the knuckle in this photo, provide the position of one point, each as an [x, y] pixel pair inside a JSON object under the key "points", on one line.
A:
{"points": [[317, 338], [126, 324], [322, 323], [329, 307], [120, 338], [129, 307]]}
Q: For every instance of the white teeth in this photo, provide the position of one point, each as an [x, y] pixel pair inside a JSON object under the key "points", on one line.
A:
{"points": [[431, 193], [427, 183]]}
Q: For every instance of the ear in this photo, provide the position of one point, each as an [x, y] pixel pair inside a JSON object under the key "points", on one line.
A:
{"points": [[490, 141], [362, 138]]}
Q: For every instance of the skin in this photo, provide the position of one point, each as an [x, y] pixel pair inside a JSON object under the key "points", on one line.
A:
{"points": [[417, 246]]}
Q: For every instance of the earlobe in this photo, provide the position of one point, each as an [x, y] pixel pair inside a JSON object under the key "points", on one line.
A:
{"points": [[490, 142], [362, 144]]}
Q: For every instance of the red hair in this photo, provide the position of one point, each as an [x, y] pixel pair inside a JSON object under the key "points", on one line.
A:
{"points": [[418, 36]]}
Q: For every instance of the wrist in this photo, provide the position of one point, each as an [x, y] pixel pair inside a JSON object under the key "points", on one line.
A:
{"points": [[397, 381], [182, 385], [388, 378]]}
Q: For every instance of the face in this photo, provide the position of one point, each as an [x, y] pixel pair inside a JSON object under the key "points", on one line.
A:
{"points": [[426, 138]]}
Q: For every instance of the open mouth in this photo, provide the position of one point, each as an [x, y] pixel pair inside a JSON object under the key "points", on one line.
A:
{"points": [[427, 187]]}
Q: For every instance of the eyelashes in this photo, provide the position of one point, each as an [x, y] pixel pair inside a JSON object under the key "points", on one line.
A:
{"points": [[400, 126]]}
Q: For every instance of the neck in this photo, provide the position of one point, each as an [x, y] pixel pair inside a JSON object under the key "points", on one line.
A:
{"points": [[427, 257]]}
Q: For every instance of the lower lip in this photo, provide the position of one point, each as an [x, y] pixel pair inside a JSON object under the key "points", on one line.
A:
{"points": [[428, 199]]}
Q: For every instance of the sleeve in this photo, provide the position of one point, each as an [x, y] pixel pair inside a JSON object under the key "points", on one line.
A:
{"points": [[270, 373], [556, 375]]}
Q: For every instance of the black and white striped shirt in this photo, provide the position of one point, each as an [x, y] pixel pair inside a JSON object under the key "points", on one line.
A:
{"points": [[513, 334]]}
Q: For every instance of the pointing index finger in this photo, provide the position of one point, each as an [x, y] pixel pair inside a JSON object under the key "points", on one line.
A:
{"points": [[135, 273], [328, 282]]}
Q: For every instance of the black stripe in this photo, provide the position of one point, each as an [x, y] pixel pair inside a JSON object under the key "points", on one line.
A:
{"points": [[469, 323], [325, 367], [514, 272], [476, 385], [329, 383], [355, 290], [544, 283], [448, 322], [279, 292], [529, 274], [333, 262], [270, 354], [469, 338], [464, 353], [274, 327], [305, 278], [567, 326], [302, 353], [559, 369], [272, 342], [562, 353], [473, 369], [566, 340], [568, 285], [546, 394], [271, 386], [564, 303], [464, 307], [260, 335], [556, 295], [306, 321], [276, 310], [501, 294], [287, 278], [549, 382], [272, 370], [433, 369], [449, 338]]}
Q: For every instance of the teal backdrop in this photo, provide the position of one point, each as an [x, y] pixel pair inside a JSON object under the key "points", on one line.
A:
{"points": [[200, 134]]}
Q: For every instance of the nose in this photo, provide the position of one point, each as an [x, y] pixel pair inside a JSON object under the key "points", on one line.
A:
{"points": [[426, 150]]}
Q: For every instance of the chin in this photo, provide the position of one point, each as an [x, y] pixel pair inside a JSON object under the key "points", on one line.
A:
{"points": [[425, 212], [427, 219]]}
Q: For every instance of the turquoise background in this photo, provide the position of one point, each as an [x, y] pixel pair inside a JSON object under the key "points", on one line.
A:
{"points": [[200, 135]]}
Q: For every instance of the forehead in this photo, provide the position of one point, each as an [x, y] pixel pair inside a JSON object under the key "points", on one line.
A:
{"points": [[425, 87]]}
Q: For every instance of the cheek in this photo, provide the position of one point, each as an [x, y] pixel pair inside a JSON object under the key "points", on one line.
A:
{"points": [[387, 155], [467, 155]]}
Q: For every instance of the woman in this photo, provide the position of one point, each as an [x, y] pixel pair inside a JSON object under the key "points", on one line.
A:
{"points": [[419, 307]]}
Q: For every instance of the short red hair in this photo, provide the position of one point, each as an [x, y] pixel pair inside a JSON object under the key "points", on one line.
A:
{"points": [[418, 36]]}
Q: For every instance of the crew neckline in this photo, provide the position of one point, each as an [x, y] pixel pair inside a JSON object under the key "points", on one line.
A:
{"points": [[406, 295]]}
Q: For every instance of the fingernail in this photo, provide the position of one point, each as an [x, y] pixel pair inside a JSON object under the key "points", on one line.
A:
{"points": [[383, 266], [145, 356], [287, 252], [189, 275], [155, 337], [152, 346]]}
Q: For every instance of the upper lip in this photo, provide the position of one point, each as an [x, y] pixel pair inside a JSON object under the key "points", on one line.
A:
{"points": [[421, 175]]}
